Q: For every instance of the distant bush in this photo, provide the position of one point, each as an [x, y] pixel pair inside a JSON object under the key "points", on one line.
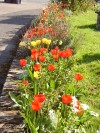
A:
{"points": [[79, 5]]}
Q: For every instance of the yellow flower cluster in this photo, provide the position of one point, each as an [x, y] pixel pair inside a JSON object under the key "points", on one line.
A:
{"points": [[35, 43], [46, 41], [36, 74], [38, 42]]}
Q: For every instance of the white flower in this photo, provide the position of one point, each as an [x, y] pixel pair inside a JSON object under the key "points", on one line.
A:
{"points": [[67, 131], [74, 104], [94, 113], [51, 114], [77, 131], [83, 130], [98, 131], [53, 117], [74, 99], [85, 106]]}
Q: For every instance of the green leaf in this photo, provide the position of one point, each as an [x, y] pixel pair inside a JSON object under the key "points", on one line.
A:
{"points": [[52, 84], [14, 98]]}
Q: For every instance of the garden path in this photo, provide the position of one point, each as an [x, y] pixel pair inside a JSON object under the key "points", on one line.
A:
{"points": [[13, 18]]}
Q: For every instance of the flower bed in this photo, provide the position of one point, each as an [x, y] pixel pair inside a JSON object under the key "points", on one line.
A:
{"points": [[50, 90]]}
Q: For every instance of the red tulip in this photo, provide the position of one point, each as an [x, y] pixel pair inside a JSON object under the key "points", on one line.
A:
{"points": [[23, 62], [33, 56], [39, 97], [29, 35], [42, 58], [51, 67], [45, 31], [67, 53], [40, 33], [42, 50], [34, 33], [49, 29], [66, 99], [60, 53], [33, 29], [33, 50], [37, 67], [25, 82], [78, 76], [55, 57], [36, 106], [53, 52]]}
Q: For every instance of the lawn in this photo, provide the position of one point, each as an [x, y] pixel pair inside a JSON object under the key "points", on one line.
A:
{"points": [[87, 46]]}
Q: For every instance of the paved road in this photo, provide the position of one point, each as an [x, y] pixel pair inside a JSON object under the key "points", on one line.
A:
{"points": [[6, 8], [12, 18]]}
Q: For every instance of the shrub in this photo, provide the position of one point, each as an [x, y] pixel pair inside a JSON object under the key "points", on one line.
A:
{"points": [[79, 5]]}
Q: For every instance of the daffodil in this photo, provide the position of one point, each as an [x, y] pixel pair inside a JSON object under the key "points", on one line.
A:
{"points": [[33, 44], [38, 42], [36, 74]]}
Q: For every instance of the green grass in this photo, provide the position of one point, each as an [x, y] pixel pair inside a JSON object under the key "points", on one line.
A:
{"points": [[87, 46]]}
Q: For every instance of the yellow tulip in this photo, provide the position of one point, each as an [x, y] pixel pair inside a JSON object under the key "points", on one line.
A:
{"points": [[33, 43], [38, 42], [44, 40], [48, 42], [22, 43], [36, 74]]}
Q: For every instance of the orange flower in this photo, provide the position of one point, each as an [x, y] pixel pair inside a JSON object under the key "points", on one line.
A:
{"points": [[39, 97], [56, 48], [40, 33], [67, 53], [78, 76], [33, 56], [39, 28], [29, 35], [33, 29], [42, 58], [33, 51], [66, 99], [23, 62], [45, 31], [55, 57], [51, 67], [53, 51], [36, 106], [42, 50], [37, 67], [25, 82], [49, 29], [80, 111], [78, 105], [34, 33], [60, 53]]}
